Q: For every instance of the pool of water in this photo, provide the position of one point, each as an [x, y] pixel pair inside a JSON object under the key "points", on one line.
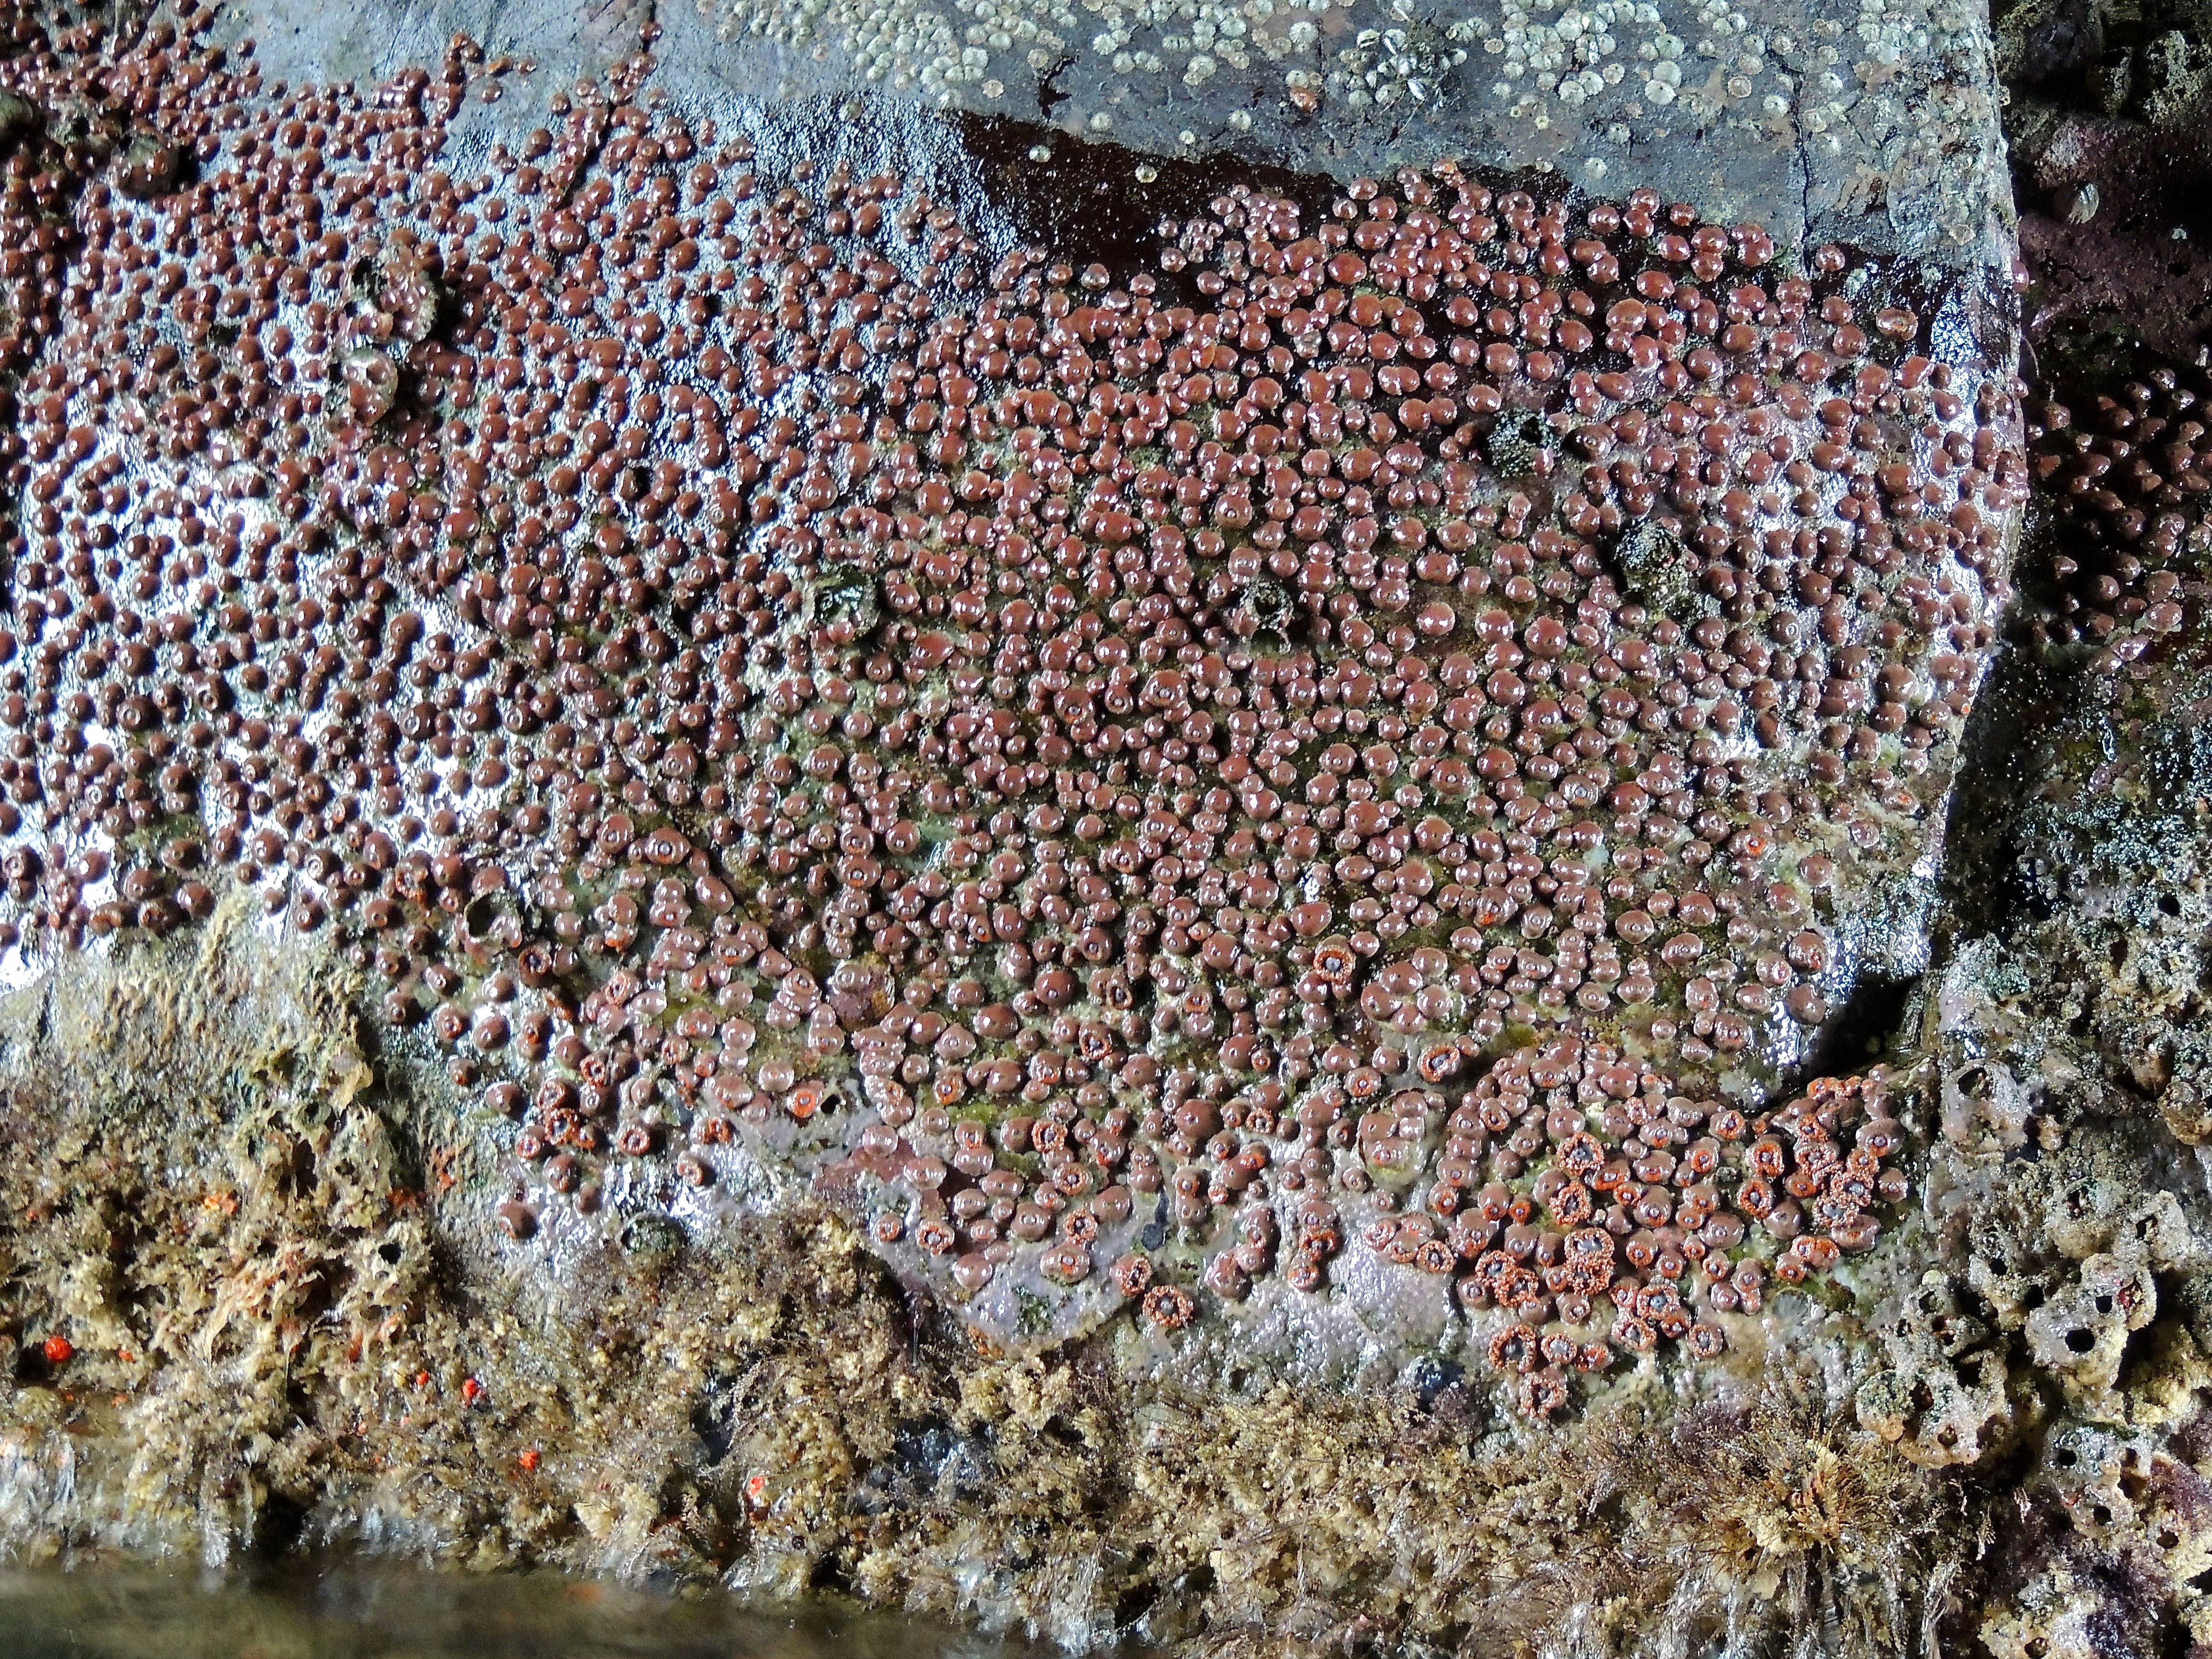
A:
{"points": [[357, 1612]]}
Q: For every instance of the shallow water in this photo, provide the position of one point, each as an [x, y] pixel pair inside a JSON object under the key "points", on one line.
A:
{"points": [[355, 1612]]}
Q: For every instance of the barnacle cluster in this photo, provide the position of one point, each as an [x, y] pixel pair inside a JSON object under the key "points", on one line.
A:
{"points": [[1402, 62], [1366, 737], [1618, 68], [2124, 479]]}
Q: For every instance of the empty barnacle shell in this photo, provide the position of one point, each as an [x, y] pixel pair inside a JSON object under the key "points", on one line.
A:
{"points": [[1517, 438], [20, 118], [1653, 567]]}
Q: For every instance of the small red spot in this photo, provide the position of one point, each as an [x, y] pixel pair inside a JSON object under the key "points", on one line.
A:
{"points": [[58, 1350], [529, 1459], [422, 1379], [471, 1389]]}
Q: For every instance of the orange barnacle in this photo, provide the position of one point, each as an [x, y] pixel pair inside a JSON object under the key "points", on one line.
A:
{"points": [[1333, 958], [1168, 1307], [1580, 1154], [1543, 1392], [1571, 1204], [1514, 1348], [1132, 1275]]}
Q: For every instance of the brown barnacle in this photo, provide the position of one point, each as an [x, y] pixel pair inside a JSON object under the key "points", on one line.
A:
{"points": [[1068, 1262]]}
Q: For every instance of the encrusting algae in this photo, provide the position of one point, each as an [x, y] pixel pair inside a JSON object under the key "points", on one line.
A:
{"points": [[1144, 788]]}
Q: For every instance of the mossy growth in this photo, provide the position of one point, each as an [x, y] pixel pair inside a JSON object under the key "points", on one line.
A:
{"points": [[289, 1325], [1654, 568], [1516, 439]]}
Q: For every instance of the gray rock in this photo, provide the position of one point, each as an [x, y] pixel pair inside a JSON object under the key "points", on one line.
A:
{"points": [[1873, 125]]}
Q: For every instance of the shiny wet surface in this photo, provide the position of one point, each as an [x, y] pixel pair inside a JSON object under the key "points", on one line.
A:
{"points": [[356, 1612]]}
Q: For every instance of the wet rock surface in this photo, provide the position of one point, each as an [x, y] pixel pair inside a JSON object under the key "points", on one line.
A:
{"points": [[595, 991], [353, 1610], [1874, 124]]}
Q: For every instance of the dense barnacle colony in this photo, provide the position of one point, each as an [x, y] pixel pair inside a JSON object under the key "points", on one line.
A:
{"points": [[2125, 479], [1350, 745]]}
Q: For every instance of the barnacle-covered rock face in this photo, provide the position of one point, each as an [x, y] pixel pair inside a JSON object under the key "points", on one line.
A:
{"points": [[835, 727], [1341, 767], [2124, 481], [2062, 1312], [2106, 864]]}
